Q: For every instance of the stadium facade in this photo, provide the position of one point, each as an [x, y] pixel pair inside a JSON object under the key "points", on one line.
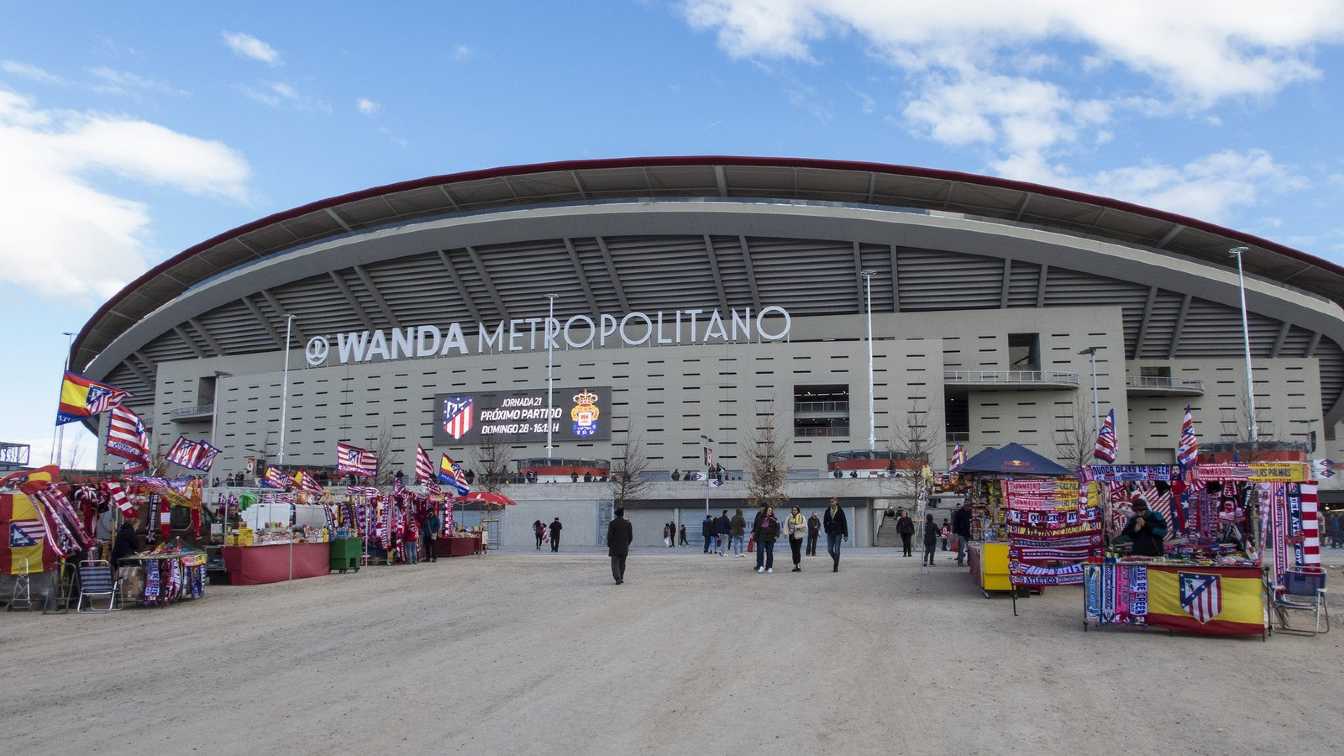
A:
{"points": [[697, 296]]}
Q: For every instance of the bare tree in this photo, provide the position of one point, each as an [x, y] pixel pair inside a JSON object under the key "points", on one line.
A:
{"points": [[767, 463], [382, 448], [627, 473], [74, 455], [1076, 435], [493, 458], [909, 447]]}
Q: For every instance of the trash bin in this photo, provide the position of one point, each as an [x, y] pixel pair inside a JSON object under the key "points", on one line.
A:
{"points": [[346, 554]]}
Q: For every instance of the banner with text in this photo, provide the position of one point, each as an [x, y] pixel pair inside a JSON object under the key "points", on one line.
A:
{"points": [[580, 413]]}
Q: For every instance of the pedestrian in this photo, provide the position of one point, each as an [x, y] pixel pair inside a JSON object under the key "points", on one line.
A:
{"points": [[905, 527], [707, 532], [930, 539], [961, 528], [676, 474], [412, 541], [723, 529], [432, 527], [797, 530], [539, 530], [739, 533], [813, 530], [556, 527], [944, 532], [682, 533], [837, 529], [766, 530], [619, 536], [667, 534]]}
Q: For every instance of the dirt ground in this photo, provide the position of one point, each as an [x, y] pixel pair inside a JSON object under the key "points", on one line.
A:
{"points": [[540, 653]]}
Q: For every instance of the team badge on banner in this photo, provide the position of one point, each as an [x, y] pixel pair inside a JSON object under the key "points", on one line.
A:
{"points": [[457, 416], [1201, 596], [584, 414]]}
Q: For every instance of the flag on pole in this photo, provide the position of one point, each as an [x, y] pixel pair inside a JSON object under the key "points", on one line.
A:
{"points": [[84, 397], [958, 458], [710, 459], [119, 498], [352, 459], [424, 468], [1187, 451], [276, 479], [193, 455], [1106, 445], [451, 473], [127, 438], [1322, 469]]}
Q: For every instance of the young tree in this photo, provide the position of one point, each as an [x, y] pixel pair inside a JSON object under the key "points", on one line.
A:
{"points": [[627, 473], [382, 449], [767, 461], [1076, 435], [493, 458], [910, 442]]}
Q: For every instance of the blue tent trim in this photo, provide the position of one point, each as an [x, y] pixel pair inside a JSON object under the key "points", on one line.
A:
{"points": [[1013, 459]]}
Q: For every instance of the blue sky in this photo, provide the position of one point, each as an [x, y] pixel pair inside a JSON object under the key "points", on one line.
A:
{"points": [[129, 134]]}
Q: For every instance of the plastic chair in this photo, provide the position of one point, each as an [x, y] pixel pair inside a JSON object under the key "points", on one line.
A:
{"points": [[95, 579], [1303, 591]]}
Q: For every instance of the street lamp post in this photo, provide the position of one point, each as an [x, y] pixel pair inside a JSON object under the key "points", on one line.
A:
{"points": [[872, 415], [1237, 252], [708, 450], [1091, 353], [284, 388], [550, 386]]}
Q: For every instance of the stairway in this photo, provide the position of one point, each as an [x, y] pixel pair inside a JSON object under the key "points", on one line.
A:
{"points": [[887, 535]]}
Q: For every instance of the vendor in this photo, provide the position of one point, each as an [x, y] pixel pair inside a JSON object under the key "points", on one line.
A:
{"points": [[1145, 529], [123, 544]]}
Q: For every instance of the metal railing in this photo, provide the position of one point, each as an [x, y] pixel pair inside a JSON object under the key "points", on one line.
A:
{"points": [[958, 437], [833, 431], [819, 406], [200, 409], [1008, 377], [1163, 382]]}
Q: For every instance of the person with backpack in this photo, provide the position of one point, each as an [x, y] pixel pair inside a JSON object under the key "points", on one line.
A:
{"points": [[931, 531], [905, 528], [765, 529]]}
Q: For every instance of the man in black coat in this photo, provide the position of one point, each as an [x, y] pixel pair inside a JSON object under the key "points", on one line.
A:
{"points": [[556, 527], [723, 529], [961, 528], [813, 530], [707, 532], [905, 528], [619, 536], [837, 529]]}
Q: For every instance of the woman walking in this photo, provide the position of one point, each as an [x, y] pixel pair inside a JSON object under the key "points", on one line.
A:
{"points": [[765, 530], [797, 529], [931, 533]]}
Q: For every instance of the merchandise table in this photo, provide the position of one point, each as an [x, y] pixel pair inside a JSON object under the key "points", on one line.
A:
{"points": [[255, 565], [989, 566], [1191, 598], [456, 546]]}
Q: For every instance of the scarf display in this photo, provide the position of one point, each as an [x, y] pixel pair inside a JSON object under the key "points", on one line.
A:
{"points": [[153, 586], [1054, 526], [1116, 594]]}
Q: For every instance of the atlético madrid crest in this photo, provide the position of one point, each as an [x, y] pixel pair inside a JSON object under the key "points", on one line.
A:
{"points": [[1201, 596], [584, 413], [457, 416]]}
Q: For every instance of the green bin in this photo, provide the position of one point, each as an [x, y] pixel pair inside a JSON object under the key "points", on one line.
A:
{"points": [[346, 554]]}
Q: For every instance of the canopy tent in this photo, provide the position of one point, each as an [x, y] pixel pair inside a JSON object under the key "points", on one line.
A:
{"points": [[1012, 459]]}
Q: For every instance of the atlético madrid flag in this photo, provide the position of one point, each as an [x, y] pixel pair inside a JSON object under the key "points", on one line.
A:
{"points": [[84, 397], [24, 546], [352, 459], [1223, 601]]}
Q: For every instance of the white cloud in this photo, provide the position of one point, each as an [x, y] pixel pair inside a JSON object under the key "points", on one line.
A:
{"points": [[248, 46], [112, 81], [30, 72], [280, 94], [65, 236], [462, 53], [367, 106], [1207, 50]]}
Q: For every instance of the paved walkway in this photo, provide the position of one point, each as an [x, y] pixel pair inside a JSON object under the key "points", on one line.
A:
{"points": [[524, 653]]}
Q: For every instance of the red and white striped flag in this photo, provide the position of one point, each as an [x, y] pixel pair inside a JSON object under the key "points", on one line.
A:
{"points": [[119, 498], [193, 455], [1311, 525], [352, 459], [958, 458], [128, 438], [424, 468], [1106, 444]]}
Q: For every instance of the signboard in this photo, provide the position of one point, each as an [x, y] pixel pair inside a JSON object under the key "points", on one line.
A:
{"points": [[579, 413]]}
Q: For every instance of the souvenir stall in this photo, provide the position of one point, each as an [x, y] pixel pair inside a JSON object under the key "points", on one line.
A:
{"points": [[279, 540], [1220, 522], [984, 477], [1054, 528], [45, 535], [467, 542], [163, 575]]}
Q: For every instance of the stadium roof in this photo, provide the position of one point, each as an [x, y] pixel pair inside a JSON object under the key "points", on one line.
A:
{"points": [[726, 177]]}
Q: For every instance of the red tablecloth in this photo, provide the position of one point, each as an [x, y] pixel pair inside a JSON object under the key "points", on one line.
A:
{"points": [[254, 565], [453, 546]]}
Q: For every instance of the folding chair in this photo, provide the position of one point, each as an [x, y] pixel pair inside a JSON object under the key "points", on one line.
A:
{"points": [[95, 579], [1303, 591], [22, 597]]}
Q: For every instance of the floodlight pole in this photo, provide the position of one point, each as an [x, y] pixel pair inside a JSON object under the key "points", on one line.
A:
{"points": [[550, 383], [1237, 252], [1091, 353], [58, 434], [284, 388], [872, 414]]}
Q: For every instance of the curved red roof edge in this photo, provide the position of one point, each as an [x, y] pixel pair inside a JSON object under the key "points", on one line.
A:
{"points": [[683, 160]]}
